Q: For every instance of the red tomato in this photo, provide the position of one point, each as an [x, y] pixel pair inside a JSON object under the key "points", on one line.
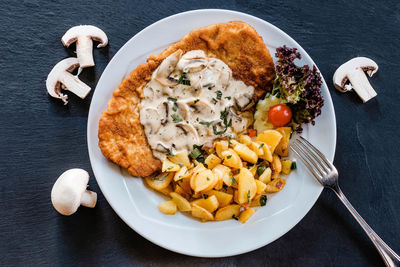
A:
{"points": [[279, 115]]}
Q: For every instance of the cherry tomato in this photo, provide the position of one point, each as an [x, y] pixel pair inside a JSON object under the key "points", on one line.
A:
{"points": [[279, 115]]}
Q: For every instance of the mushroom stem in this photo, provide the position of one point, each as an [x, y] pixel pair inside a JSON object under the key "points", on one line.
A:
{"points": [[361, 85], [84, 52], [73, 84], [89, 199]]}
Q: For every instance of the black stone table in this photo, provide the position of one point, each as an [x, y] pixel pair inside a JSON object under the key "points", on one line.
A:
{"points": [[40, 137]]}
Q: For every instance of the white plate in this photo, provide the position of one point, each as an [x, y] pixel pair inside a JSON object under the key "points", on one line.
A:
{"points": [[137, 205]]}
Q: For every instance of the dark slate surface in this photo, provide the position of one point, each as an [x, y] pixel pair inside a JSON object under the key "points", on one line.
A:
{"points": [[40, 138]]}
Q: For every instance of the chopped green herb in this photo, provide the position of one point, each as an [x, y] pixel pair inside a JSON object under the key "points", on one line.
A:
{"points": [[262, 144], [172, 99], [293, 166], [229, 156], [230, 173], [234, 217], [219, 94], [207, 123], [182, 79], [238, 171], [205, 196], [263, 200], [197, 100], [155, 178], [261, 169], [233, 180], [228, 97], [214, 101], [229, 140], [209, 88], [226, 123], [197, 153], [169, 154], [170, 167], [208, 178], [176, 118], [175, 107], [248, 196]]}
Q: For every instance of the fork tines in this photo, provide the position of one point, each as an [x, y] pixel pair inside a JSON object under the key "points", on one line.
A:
{"points": [[315, 161]]}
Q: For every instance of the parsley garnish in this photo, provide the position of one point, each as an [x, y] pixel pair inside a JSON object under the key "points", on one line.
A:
{"points": [[219, 94], [214, 101], [208, 178], [205, 123], [263, 200], [170, 167], [209, 88], [233, 180], [155, 178], [262, 144], [175, 107], [197, 153], [238, 171], [261, 169], [248, 196], [228, 97], [234, 217], [197, 100], [229, 156], [205, 196], [226, 123], [176, 118], [229, 140], [182, 79]]}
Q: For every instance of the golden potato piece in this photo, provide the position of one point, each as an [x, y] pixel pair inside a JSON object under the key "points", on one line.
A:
{"points": [[271, 138], [227, 212], [181, 174], [222, 197], [276, 164], [265, 177], [201, 213], [245, 139], [267, 155], [180, 158], [245, 153], [212, 161], [283, 147], [168, 166], [260, 187], [220, 147], [181, 202], [160, 181], [167, 207], [179, 190], [247, 188], [166, 190], [231, 159], [286, 166], [246, 214], [202, 180], [210, 203], [275, 186]]}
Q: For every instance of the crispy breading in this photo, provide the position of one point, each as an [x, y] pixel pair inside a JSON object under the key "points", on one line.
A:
{"points": [[121, 136]]}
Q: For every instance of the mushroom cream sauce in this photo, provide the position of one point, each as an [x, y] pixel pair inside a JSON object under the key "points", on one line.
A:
{"points": [[191, 100]]}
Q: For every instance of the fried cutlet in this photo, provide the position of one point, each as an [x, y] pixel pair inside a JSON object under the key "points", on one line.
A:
{"points": [[121, 136]]}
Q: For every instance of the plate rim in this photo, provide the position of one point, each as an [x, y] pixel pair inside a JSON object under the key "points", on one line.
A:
{"points": [[123, 217]]}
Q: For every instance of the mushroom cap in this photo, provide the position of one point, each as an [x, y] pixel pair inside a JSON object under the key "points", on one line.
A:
{"points": [[356, 64], [53, 79], [85, 30], [68, 189]]}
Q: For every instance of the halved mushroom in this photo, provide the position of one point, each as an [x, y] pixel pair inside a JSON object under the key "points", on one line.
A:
{"points": [[353, 71], [83, 36], [184, 110], [166, 68], [189, 130], [61, 75], [193, 61], [244, 101]]}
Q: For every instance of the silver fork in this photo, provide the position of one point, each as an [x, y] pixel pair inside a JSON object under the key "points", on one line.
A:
{"points": [[324, 171]]}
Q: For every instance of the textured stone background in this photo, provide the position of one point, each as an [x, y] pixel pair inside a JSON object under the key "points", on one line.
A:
{"points": [[40, 138]]}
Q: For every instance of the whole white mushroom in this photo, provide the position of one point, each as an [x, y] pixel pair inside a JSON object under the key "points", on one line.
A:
{"points": [[69, 192]]}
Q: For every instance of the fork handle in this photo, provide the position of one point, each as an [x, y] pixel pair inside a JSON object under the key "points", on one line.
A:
{"points": [[389, 257]]}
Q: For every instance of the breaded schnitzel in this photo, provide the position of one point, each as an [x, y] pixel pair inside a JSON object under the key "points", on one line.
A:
{"points": [[121, 136]]}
